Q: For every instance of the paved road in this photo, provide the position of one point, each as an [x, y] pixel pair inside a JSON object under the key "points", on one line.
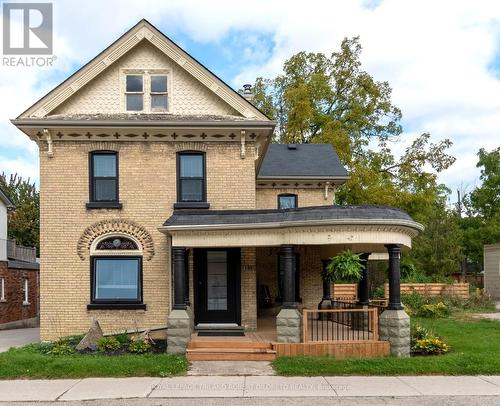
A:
{"points": [[320, 401], [246, 389], [18, 337]]}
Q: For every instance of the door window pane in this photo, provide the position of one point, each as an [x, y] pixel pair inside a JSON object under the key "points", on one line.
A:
{"points": [[116, 278], [216, 280]]}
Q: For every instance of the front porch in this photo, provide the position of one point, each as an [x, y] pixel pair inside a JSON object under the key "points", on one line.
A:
{"points": [[266, 283]]}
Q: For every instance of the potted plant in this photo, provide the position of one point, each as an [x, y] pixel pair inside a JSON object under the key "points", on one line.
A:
{"points": [[345, 267]]}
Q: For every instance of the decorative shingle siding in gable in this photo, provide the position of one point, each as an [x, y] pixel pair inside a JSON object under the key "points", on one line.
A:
{"points": [[105, 94]]}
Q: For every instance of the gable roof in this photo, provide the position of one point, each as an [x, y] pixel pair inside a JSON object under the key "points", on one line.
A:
{"points": [[301, 161], [6, 200], [142, 31]]}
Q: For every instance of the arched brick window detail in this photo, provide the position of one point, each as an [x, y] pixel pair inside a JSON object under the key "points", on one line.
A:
{"points": [[118, 226]]}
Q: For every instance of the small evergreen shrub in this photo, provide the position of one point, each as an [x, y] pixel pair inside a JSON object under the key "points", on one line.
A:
{"points": [[108, 344], [379, 292], [139, 346]]}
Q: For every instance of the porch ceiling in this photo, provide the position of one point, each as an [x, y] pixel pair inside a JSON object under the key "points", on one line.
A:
{"points": [[322, 225]]}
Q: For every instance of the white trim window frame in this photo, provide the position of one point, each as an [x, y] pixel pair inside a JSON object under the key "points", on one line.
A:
{"points": [[159, 92], [132, 92], [26, 291], [2, 290]]}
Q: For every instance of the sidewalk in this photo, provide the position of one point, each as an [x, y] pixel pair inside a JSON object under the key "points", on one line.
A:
{"points": [[248, 387]]}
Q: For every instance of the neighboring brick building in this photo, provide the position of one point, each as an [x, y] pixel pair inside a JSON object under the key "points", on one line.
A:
{"points": [[18, 278], [163, 204]]}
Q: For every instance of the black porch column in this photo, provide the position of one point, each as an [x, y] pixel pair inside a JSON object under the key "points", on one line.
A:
{"points": [[363, 291], [394, 277], [179, 262], [327, 295], [288, 277], [186, 279]]}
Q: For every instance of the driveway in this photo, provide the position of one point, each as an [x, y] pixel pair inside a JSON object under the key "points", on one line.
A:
{"points": [[18, 337]]}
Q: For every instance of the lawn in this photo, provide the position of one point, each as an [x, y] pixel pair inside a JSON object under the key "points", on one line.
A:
{"points": [[475, 349], [27, 363]]}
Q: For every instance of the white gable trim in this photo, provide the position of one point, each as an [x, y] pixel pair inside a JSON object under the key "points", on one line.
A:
{"points": [[142, 31]]}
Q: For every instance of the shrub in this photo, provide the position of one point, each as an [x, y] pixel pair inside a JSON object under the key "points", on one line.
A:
{"points": [[431, 346], [61, 347], [108, 344], [379, 292], [123, 338], [139, 346], [434, 310], [426, 343], [413, 302]]}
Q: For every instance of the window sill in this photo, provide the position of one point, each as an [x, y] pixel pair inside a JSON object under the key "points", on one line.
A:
{"points": [[26, 303], [116, 306], [103, 205], [192, 205]]}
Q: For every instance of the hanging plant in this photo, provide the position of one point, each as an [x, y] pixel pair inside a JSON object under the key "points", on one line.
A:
{"points": [[345, 267]]}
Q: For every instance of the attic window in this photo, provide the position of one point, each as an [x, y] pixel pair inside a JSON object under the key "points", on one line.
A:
{"points": [[134, 92], [159, 93]]}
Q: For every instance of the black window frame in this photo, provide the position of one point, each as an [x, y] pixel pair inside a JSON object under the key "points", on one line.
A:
{"points": [[287, 195], [131, 304], [191, 204], [97, 204]]}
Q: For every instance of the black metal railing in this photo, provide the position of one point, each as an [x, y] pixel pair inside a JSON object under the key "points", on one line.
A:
{"points": [[340, 324]]}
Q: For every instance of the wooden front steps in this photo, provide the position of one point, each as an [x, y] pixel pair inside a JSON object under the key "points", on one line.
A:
{"points": [[229, 350]]}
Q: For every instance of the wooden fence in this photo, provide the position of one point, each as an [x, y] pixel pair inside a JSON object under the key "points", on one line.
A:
{"points": [[345, 291], [340, 350], [433, 289]]}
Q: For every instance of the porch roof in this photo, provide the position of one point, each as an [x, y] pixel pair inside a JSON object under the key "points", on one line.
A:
{"points": [[367, 225], [340, 214]]}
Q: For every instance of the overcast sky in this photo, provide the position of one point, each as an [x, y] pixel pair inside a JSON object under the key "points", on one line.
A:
{"points": [[442, 58]]}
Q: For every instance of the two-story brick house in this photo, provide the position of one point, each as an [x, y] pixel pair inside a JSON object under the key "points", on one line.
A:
{"points": [[165, 205]]}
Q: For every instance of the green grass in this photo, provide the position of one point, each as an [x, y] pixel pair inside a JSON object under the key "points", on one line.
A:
{"points": [[27, 363], [475, 349]]}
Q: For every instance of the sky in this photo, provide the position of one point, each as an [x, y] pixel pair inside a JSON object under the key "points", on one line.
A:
{"points": [[441, 58]]}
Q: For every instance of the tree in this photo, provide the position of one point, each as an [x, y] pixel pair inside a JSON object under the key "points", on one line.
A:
{"points": [[320, 99], [24, 220], [482, 223]]}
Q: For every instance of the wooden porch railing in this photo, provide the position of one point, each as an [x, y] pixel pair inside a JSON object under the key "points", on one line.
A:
{"points": [[340, 325]]}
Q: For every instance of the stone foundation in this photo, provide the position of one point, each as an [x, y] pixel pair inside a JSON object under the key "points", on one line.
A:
{"points": [[394, 326], [179, 331], [289, 326]]}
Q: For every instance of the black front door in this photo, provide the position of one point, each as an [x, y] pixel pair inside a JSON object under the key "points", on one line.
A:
{"points": [[217, 285]]}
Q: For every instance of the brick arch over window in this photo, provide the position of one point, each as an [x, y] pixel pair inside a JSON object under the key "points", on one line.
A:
{"points": [[191, 146], [115, 226]]}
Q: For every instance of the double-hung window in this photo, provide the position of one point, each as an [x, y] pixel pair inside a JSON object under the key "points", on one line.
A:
{"points": [[191, 177], [134, 92], [159, 96], [2, 290], [26, 291], [104, 177]]}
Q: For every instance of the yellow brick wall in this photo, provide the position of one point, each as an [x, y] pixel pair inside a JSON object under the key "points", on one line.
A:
{"points": [[268, 198], [148, 192], [248, 289]]}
